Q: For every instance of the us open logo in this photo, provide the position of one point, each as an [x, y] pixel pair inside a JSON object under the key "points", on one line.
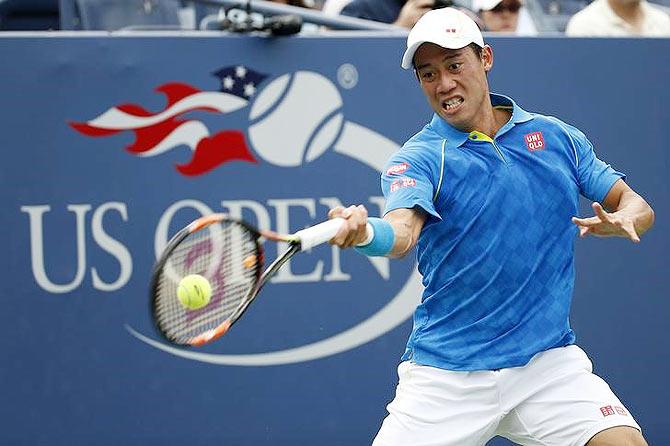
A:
{"points": [[290, 121]]}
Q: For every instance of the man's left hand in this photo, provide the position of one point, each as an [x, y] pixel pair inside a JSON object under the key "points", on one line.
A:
{"points": [[606, 224]]}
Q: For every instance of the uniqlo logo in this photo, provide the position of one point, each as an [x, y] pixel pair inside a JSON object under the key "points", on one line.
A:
{"points": [[607, 411], [534, 141], [621, 411]]}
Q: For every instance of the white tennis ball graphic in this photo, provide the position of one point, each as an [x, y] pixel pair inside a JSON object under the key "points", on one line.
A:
{"points": [[295, 122]]}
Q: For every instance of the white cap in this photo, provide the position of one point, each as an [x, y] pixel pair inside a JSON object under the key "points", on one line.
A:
{"points": [[484, 5], [446, 27]]}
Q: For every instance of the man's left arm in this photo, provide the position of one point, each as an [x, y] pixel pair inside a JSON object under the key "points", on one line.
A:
{"points": [[626, 214]]}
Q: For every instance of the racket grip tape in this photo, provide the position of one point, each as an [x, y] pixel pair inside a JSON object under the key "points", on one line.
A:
{"points": [[317, 234]]}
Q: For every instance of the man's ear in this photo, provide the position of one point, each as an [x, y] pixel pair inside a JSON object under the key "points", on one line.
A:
{"points": [[487, 58]]}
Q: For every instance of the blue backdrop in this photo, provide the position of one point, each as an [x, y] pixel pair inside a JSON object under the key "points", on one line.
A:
{"points": [[89, 198]]}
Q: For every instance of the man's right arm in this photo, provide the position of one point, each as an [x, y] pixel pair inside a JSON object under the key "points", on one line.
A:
{"points": [[406, 225]]}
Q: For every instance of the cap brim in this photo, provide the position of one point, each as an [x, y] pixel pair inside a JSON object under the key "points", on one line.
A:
{"points": [[451, 44]]}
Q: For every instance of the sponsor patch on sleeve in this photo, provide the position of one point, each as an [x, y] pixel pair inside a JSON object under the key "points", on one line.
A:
{"points": [[397, 169], [402, 183]]}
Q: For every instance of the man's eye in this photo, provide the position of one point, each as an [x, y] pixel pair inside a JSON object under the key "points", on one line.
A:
{"points": [[455, 66], [427, 76]]}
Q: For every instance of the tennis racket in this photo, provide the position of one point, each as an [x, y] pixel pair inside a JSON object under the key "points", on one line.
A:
{"points": [[228, 253]]}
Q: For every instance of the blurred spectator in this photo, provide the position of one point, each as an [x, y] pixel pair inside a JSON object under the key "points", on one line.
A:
{"points": [[333, 7], [403, 13], [505, 16], [398, 12], [619, 18], [28, 15], [300, 3]]}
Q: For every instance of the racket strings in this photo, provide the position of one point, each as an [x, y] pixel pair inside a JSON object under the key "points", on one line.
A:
{"points": [[226, 255]]}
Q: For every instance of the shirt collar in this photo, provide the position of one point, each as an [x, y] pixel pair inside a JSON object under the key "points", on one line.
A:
{"points": [[457, 137]]}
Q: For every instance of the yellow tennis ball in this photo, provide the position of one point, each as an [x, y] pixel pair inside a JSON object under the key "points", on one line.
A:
{"points": [[194, 291]]}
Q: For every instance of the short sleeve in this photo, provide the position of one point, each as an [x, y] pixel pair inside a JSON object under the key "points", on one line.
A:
{"points": [[408, 182], [596, 177]]}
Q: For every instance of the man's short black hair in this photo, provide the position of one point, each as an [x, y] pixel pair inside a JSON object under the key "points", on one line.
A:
{"points": [[473, 46], [477, 49]]}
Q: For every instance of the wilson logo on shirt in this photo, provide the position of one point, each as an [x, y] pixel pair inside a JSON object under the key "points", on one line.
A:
{"points": [[534, 141]]}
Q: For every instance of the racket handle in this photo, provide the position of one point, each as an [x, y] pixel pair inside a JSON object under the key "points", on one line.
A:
{"points": [[317, 234]]}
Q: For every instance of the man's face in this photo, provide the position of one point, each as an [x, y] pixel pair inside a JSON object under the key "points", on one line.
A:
{"points": [[503, 18], [454, 81]]}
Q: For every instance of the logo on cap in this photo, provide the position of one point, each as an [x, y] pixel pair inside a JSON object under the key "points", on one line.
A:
{"points": [[607, 411]]}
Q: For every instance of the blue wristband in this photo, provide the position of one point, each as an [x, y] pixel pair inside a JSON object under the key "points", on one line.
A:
{"points": [[382, 239]]}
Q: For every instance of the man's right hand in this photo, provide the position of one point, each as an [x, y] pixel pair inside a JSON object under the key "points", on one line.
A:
{"points": [[353, 231], [412, 11]]}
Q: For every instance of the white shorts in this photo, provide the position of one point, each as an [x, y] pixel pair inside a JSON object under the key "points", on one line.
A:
{"points": [[553, 400]]}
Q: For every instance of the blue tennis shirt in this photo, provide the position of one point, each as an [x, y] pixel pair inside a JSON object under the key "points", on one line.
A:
{"points": [[496, 250]]}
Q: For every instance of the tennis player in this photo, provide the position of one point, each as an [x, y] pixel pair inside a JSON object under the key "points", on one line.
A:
{"points": [[488, 193]]}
